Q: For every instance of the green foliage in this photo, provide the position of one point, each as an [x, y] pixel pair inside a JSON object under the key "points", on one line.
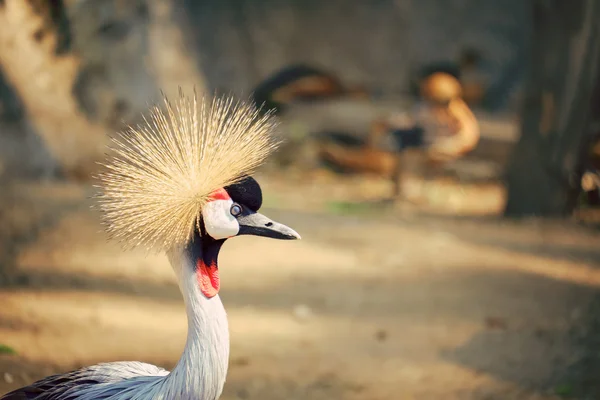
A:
{"points": [[345, 207], [4, 349], [564, 390]]}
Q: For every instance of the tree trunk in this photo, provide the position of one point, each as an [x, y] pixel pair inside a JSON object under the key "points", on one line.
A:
{"points": [[544, 173], [34, 52]]}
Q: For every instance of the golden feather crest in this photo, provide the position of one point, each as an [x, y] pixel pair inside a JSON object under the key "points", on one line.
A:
{"points": [[161, 173]]}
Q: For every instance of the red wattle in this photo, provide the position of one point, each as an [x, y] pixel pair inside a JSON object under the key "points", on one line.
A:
{"points": [[208, 279]]}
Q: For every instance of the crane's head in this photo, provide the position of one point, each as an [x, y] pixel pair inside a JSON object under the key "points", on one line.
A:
{"points": [[181, 181], [233, 211]]}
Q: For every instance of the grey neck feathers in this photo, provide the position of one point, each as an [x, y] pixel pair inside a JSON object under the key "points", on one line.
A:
{"points": [[201, 371]]}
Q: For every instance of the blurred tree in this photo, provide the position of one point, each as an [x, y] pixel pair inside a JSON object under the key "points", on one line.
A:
{"points": [[35, 55], [83, 69], [544, 173]]}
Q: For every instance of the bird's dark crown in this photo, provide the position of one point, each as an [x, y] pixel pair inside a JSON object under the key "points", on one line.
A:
{"points": [[247, 192]]}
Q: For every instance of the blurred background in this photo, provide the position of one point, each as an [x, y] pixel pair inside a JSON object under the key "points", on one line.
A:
{"points": [[440, 162]]}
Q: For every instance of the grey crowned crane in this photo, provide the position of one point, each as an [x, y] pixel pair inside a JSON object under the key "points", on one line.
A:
{"points": [[180, 183]]}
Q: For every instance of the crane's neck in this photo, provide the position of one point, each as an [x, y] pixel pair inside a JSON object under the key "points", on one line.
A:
{"points": [[201, 371]]}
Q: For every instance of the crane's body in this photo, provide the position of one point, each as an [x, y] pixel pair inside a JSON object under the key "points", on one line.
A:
{"points": [[185, 201], [199, 374]]}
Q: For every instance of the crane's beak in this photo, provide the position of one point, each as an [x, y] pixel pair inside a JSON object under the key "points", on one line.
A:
{"points": [[259, 225]]}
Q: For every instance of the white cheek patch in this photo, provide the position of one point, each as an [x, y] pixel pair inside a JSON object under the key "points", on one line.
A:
{"points": [[218, 221]]}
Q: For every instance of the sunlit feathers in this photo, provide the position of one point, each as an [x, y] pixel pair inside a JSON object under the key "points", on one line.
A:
{"points": [[161, 173]]}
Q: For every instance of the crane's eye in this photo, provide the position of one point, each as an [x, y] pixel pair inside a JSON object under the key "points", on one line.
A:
{"points": [[236, 209]]}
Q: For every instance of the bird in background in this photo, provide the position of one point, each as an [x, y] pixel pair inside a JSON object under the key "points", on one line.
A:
{"points": [[442, 128], [180, 183]]}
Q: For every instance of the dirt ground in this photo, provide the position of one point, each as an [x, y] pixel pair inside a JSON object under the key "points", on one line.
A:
{"points": [[375, 302]]}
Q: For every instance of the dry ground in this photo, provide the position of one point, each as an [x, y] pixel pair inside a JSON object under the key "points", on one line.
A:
{"points": [[372, 303]]}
